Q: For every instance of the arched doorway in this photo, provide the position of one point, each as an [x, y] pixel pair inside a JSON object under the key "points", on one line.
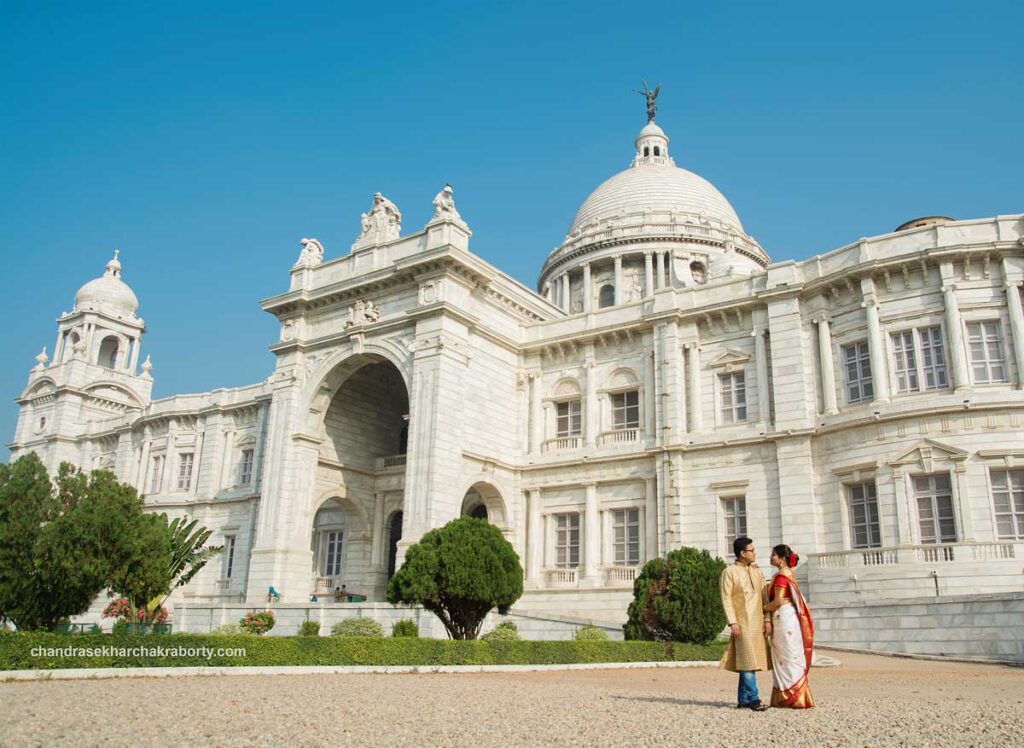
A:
{"points": [[329, 542], [394, 535], [482, 500]]}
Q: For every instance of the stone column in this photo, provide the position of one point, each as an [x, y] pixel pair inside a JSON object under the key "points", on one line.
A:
{"points": [[659, 280], [592, 540], [134, 363], [170, 459], [590, 398], [828, 374], [651, 517], [876, 345], [143, 472], [536, 415], [197, 458], [1016, 326], [619, 296], [227, 461], [954, 329], [588, 292], [648, 275], [565, 291], [903, 511], [693, 370], [534, 541], [761, 368]]}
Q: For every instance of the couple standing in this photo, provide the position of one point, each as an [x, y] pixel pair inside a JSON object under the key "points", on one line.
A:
{"points": [[757, 612]]}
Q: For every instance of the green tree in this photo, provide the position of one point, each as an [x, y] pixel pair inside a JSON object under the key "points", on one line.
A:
{"points": [[187, 555], [676, 599], [460, 572]]}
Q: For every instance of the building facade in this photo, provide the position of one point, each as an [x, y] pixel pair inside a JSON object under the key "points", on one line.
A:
{"points": [[666, 385]]}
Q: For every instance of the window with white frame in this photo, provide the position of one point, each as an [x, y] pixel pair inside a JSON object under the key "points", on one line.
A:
{"points": [[626, 537], [229, 556], [857, 364], [934, 494], [1008, 498], [919, 359], [156, 473], [185, 471], [733, 388], [332, 553], [987, 361], [567, 540], [569, 419], [933, 357], [626, 410], [864, 528], [735, 512], [245, 467]]}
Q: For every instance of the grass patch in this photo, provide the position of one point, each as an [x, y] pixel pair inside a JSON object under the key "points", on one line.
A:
{"points": [[48, 651]]}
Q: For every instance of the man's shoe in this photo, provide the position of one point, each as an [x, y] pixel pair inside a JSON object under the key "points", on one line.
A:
{"points": [[757, 706]]}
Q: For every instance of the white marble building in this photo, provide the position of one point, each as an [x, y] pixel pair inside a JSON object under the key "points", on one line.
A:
{"points": [[668, 385]]}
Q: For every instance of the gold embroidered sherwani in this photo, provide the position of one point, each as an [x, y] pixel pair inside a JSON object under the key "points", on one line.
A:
{"points": [[744, 595]]}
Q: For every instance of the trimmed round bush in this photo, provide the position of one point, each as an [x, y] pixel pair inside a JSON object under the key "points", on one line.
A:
{"points": [[590, 633], [230, 629], [358, 627], [506, 631], [309, 628], [405, 627], [257, 622], [676, 598]]}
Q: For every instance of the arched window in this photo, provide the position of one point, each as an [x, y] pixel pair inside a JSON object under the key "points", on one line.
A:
{"points": [[657, 151], [698, 271], [479, 511], [647, 151], [606, 296], [108, 352]]}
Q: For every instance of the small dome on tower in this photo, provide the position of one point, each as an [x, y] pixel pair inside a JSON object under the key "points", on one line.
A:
{"points": [[108, 293]]}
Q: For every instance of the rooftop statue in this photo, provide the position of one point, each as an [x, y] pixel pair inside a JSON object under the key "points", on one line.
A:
{"points": [[651, 96], [382, 224], [312, 253], [444, 206]]}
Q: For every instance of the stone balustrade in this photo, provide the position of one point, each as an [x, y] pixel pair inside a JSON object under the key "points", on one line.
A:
{"points": [[619, 436], [562, 444]]}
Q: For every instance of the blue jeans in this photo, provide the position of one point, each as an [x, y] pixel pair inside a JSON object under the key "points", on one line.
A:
{"points": [[748, 688]]}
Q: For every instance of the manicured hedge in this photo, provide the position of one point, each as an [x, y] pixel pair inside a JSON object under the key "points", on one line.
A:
{"points": [[16, 651]]}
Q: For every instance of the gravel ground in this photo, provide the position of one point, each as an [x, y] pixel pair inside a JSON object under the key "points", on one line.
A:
{"points": [[867, 701]]}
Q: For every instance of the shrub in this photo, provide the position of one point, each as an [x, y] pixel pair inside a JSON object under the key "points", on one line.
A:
{"points": [[258, 622], [121, 608], [405, 627], [230, 629], [676, 599], [121, 627], [460, 572], [358, 627], [309, 628], [590, 633], [506, 631]]}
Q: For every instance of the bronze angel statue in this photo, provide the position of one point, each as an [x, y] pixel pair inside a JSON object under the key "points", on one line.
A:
{"points": [[651, 96]]}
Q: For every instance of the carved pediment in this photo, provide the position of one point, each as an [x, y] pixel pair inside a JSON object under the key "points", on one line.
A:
{"points": [[731, 359], [927, 454]]}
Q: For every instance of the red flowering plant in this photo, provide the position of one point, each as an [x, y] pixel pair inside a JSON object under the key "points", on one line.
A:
{"points": [[257, 622], [122, 609]]}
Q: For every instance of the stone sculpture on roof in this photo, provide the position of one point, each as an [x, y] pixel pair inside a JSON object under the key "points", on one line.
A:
{"points": [[651, 96], [444, 206], [312, 253], [382, 224]]}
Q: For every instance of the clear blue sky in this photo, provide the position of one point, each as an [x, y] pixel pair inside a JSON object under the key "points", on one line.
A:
{"points": [[205, 143]]}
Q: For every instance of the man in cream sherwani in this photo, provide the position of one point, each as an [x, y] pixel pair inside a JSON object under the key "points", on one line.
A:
{"points": [[743, 598]]}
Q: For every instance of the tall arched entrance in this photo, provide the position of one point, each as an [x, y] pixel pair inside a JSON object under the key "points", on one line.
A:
{"points": [[364, 425], [483, 500]]}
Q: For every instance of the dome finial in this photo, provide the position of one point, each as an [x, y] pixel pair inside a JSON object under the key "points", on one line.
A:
{"points": [[114, 266], [651, 96]]}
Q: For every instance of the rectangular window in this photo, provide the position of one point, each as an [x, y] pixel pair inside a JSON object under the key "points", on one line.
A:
{"points": [[735, 511], [156, 473], [864, 529], [857, 364], [906, 361], [229, 556], [567, 540], [935, 508], [933, 358], [570, 419], [184, 471], [626, 536], [1008, 497], [986, 344], [626, 410], [734, 397], [245, 468], [332, 553]]}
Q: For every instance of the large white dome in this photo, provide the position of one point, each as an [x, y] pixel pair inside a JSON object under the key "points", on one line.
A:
{"points": [[659, 187], [108, 293]]}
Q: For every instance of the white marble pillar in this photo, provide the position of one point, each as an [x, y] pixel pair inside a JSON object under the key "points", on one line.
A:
{"points": [[143, 471], [659, 280], [651, 515], [876, 347], [536, 414], [565, 292], [1013, 302], [378, 560], [693, 370], [590, 398], [588, 292], [227, 462], [954, 329], [197, 457], [592, 539], [764, 415], [648, 275], [828, 373], [534, 540], [619, 295], [170, 459]]}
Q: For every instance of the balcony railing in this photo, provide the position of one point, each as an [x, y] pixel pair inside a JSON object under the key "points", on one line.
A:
{"points": [[392, 461], [620, 576], [223, 585], [929, 553], [561, 577], [562, 444], [620, 436], [325, 585]]}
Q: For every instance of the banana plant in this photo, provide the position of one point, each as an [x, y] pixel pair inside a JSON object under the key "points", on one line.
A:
{"points": [[189, 555]]}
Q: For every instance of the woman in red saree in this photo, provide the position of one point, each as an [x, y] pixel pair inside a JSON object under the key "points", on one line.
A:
{"points": [[792, 634]]}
